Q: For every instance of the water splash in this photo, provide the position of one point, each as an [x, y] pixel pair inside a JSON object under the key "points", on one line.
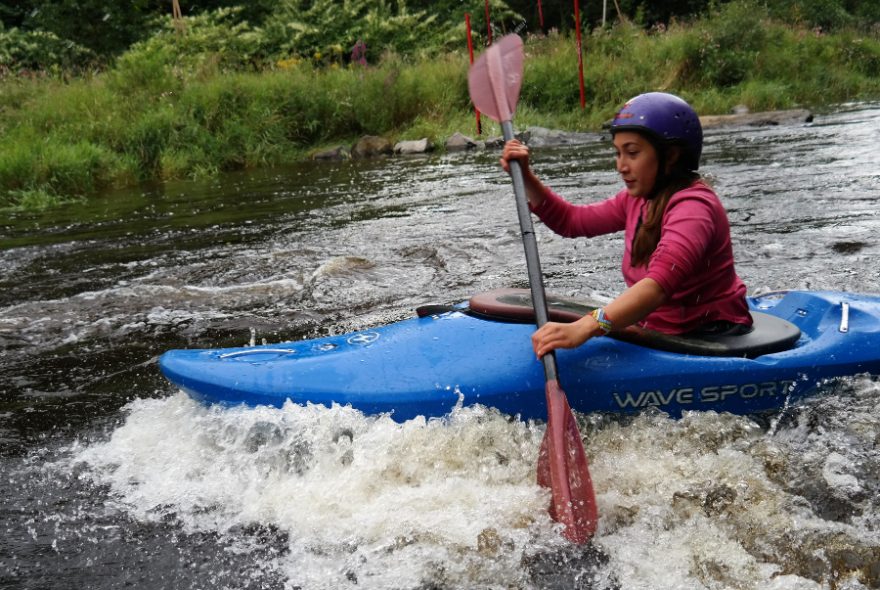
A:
{"points": [[708, 501], [361, 500]]}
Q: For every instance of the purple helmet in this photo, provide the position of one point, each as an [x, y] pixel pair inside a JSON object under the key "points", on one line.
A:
{"points": [[664, 117]]}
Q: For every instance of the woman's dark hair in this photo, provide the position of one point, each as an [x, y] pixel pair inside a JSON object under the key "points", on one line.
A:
{"points": [[669, 181]]}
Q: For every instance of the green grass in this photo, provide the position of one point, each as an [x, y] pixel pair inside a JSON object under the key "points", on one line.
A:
{"points": [[148, 119]]}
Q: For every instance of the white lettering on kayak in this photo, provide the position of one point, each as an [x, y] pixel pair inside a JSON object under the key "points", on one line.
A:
{"points": [[706, 395]]}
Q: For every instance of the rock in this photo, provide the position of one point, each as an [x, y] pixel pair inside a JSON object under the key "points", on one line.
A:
{"points": [[370, 146], [788, 117], [740, 109], [495, 142], [417, 146], [541, 137], [848, 247], [533, 136], [339, 153], [458, 142], [489, 542], [575, 567]]}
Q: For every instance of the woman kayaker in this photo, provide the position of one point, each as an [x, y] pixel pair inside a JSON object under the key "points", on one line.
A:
{"points": [[678, 259]]}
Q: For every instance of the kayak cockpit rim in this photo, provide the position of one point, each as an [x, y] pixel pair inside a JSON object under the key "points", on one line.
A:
{"points": [[769, 334]]}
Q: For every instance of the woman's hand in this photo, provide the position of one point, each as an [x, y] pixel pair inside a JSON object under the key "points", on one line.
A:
{"points": [[518, 151], [553, 335], [515, 150], [631, 306]]}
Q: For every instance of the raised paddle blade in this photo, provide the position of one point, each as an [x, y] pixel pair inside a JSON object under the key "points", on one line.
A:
{"points": [[562, 467], [503, 64]]}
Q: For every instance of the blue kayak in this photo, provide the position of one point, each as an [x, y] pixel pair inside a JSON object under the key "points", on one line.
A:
{"points": [[479, 352]]}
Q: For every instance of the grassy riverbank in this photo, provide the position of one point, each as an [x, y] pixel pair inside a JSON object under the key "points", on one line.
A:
{"points": [[151, 118]]}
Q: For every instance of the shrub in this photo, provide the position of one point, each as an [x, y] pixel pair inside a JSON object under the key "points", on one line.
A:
{"points": [[54, 167], [205, 43], [823, 14], [729, 43], [146, 71], [40, 50]]}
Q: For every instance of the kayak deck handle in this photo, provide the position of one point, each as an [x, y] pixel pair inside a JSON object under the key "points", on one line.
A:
{"points": [[238, 353], [844, 317]]}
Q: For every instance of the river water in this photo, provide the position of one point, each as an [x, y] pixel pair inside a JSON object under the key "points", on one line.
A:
{"points": [[110, 478]]}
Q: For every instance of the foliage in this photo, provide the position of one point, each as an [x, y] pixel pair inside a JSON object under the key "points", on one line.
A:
{"points": [[147, 123], [243, 35], [822, 14], [324, 32], [724, 48], [35, 200], [194, 104], [39, 51], [827, 14], [329, 29], [220, 39], [105, 28], [270, 30], [647, 13]]}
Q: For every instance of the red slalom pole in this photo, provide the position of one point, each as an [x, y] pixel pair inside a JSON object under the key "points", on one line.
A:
{"points": [[488, 26], [467, 24], [540, 16], [577, 28]]}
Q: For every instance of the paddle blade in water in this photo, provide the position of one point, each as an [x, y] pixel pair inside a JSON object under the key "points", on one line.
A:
{"points": [[496, 77], [562, 466]]}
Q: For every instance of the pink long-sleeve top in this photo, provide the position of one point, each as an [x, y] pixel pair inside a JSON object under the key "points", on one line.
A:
{"points": [[693, 262]]}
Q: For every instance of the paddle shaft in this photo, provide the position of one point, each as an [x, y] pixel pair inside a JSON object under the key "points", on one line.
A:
{"points": [[562, 462], [530, 244]]}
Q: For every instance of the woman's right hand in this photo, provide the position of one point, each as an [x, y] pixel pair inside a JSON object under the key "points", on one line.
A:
{"points": [[515, 150]]}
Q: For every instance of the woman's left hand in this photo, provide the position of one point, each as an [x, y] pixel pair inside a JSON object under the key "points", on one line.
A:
{"points": [[631, 306], [553, 335]]}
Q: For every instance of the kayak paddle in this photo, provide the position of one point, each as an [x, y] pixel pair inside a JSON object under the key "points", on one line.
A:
{"points": [[494, 82]]}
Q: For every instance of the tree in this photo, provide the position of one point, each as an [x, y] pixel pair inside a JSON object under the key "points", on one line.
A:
{"points": [[107, 28], [12, 14]]}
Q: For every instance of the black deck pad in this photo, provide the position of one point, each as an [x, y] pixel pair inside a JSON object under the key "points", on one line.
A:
{"points": [[769, 333]]}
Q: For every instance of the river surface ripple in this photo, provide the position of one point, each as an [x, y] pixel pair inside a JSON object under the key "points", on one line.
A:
{"points": [[110, 478]]}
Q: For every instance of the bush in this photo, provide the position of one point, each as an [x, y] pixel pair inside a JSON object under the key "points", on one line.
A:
{"points": [[327, 30], [861, 54], [323, 32], [823, 14], [105, 28], [54, 167], [203, 44], [729, 43], [147, 71], [40, 51]]}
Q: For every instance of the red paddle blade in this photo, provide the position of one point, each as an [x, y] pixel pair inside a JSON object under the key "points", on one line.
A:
{"points": [[562, 466], [496, 77]]}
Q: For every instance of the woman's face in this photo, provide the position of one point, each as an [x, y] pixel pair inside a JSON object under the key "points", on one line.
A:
{"points": [[636, 162]]}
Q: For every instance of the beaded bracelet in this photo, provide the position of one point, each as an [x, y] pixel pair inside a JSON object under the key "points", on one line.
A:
{"points": [[603, 320]]}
